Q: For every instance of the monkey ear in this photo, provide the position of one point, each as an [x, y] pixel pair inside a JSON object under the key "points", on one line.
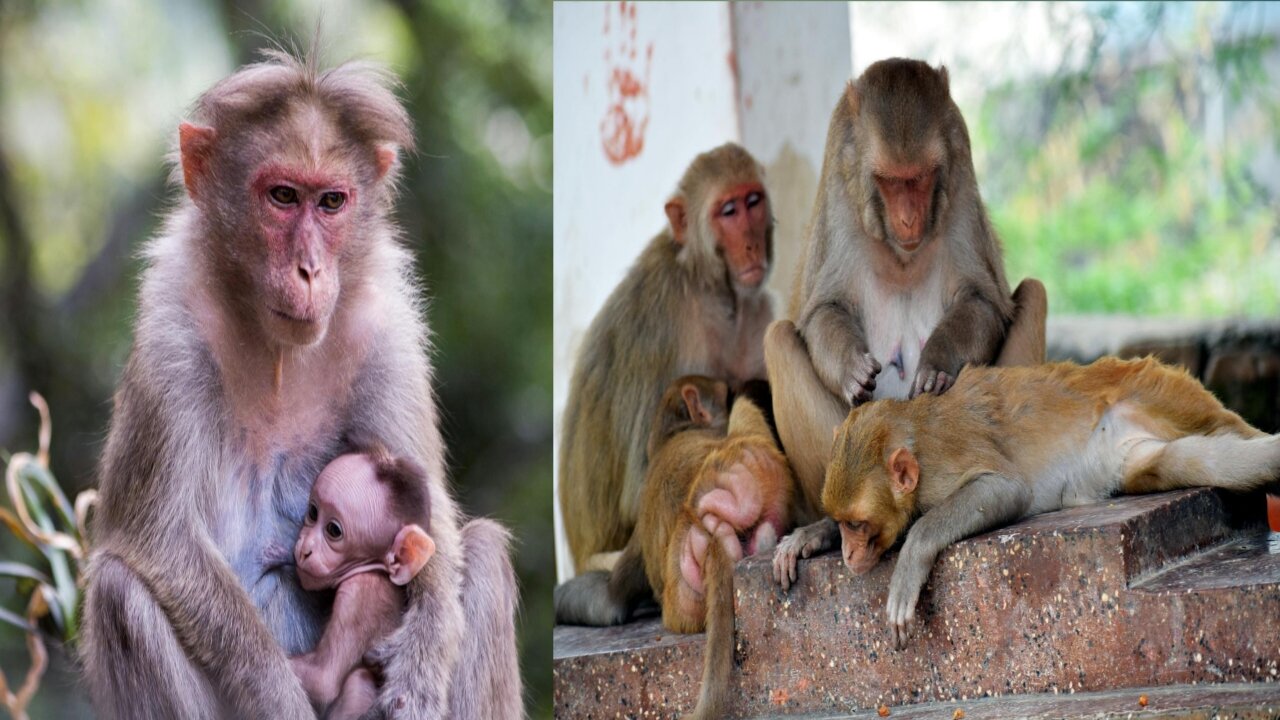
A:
{"points": [[693, 402], [675, 215], [195, 147], [946, 77], [388, 159], [411, 550], [851, 97], [904, 471]]}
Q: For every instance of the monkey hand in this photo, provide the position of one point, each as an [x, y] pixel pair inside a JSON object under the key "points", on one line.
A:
{"points": [[930, 379], [909, 576], [804, 542], [860, 379]]}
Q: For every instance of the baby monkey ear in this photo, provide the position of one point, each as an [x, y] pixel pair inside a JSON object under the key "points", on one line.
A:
{"points": [[904, 471], [411, 550]]}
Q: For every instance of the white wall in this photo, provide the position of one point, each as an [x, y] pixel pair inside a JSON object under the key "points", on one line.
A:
{"points": [[605, 211], [794, 60]]}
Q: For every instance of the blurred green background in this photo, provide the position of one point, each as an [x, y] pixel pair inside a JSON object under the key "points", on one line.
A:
{"points": [[1141, 173], [91, 93]]}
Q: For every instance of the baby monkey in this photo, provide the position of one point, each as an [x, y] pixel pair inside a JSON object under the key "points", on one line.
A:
{"points": [[1006, 443], [365, 534]]}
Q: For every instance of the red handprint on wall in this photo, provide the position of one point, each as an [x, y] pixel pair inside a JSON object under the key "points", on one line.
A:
{"points": [[627, 116]]}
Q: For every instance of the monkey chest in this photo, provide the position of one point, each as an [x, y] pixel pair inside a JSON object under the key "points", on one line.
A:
{"points": [[897, 323], [260, 514]]}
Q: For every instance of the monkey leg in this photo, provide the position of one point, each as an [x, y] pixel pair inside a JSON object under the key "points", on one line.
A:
{"points": [[1024, 343], [805, 411], [486, 682], [1225, 460], [599, 598], [359, 692], [133, 663]]}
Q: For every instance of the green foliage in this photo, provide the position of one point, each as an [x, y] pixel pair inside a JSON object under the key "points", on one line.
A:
{"points": [[1129, 185], [40, 516]]}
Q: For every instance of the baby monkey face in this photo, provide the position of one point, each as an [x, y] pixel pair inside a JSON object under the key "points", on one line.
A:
{"points": [[348, 528]]}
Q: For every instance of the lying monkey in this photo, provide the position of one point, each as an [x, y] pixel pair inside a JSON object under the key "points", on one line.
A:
{"points": [[365, 534], [1007, 443]]}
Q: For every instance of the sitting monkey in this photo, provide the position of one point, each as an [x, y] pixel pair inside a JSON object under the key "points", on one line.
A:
{"points": [[1006, 443], [365, 534]]}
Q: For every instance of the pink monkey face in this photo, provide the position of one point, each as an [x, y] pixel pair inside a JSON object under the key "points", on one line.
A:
{"points": [[348, 527]]}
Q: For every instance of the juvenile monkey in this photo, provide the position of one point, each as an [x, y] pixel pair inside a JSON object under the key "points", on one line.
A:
{"points": [[1006, 443], [366, 533], [712, 496], [278, 318], [693, 303], [903, 283]]}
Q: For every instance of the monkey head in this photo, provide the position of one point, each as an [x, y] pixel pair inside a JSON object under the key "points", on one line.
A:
{"points": [[353, 525], [691, 401], [288, 171], [870, 484], [721, 216], [903, 117]]}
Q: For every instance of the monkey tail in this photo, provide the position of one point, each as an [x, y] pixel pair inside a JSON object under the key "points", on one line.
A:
{"points": [[717, 663]]}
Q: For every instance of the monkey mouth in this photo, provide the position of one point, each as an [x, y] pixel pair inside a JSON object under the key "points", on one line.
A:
{"points": [[301, 320], [910, 245], [752, 276]]}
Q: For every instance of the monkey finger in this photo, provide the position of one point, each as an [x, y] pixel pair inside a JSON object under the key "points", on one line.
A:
{"points": [[784, 571], [943, 382]]}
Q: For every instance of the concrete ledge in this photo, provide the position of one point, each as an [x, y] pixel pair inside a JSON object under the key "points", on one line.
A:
{"points": [[1167, 589]]}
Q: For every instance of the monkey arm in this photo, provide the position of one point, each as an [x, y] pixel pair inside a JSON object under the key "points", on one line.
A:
{"points": [[232, 646], [988, 501], [970, 333], [835, 339]]}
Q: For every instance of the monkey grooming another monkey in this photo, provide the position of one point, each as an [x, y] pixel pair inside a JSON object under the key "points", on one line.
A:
{"points": [[903, 282], [1007, 443], [712, 495], [366, 533], [278, 319], [693, 303]]}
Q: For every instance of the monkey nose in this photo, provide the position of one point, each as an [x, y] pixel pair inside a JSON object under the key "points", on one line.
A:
{"points": [[308, 272]]}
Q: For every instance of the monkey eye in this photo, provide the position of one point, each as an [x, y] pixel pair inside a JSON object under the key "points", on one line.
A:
{"points": [[332, 201], [283, 195], [333, 530], [313, 513], [753, 199], [727, 209]]}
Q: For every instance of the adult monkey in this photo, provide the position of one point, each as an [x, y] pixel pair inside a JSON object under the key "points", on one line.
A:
{"points": [[278, 324], [903, 283], [693, 304]]}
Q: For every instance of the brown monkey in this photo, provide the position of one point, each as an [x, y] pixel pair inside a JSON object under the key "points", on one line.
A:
{"points": [[694, 303], [277, 321], [366, 533], [711, 497], [1006, 443], [903, 283]]}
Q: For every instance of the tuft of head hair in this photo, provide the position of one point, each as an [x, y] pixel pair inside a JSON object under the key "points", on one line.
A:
{"points": [[359, 95], [406, 480]]}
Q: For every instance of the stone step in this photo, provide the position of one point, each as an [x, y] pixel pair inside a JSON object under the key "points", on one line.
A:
{"points": [[1234, 700], [1144, 591]]}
